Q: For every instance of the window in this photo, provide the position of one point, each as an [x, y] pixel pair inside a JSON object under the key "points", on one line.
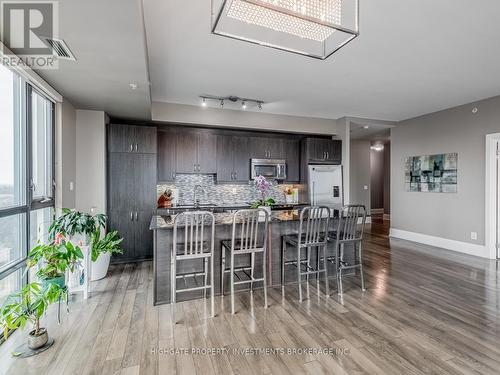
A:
{"points": [[11, 283], [40, 221], [26, 175], [12, 239], [12, 141], [41, 147]]}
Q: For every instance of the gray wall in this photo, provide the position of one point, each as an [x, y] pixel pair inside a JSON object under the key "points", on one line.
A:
{"points": [[91, 161], [68, 147], [189, 114], [449, 216], [377, 178], [360, 173]]}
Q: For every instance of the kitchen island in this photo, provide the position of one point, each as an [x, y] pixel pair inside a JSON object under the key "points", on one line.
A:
{"points": [[280, 223]]}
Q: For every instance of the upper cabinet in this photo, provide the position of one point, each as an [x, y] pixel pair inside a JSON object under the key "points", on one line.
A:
{"points": [[206, 152], [266, 148], [321, 150], [132, 138], [196, 151], [167, 155], [291, 154], [233, 160]]}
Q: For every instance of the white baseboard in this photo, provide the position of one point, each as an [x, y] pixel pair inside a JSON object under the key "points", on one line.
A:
{"points": [[377, 211], [461, 247]]}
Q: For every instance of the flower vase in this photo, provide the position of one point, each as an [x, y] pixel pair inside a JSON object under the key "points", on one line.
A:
{"points": [[262, 215]]}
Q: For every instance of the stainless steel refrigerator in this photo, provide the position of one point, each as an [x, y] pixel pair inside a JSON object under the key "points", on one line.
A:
{"points": [[326, 186]]}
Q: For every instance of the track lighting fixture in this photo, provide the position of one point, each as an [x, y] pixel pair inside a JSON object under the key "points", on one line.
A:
{"points": [[234, 99]]}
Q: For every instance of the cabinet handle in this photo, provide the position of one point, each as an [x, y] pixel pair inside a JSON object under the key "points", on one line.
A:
{"points": [[327, 155], [131, 147], [235, 175], [131, 216], [136, 147], [173, 176], [136, 216]]}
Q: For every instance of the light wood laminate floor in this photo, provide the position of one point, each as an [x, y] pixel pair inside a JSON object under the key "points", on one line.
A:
{"points": [[426, 311]]}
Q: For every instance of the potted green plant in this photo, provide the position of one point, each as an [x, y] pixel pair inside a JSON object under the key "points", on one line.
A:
{"points": [[29, 305], [265, 202], [53, 259], [109, 244], [88, 228]]}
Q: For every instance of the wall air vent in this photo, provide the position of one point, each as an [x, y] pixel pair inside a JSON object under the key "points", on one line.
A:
{"points": [[60, 49]]}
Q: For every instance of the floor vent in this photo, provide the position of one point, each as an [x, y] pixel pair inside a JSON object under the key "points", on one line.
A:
{"points": [[60, 49]]}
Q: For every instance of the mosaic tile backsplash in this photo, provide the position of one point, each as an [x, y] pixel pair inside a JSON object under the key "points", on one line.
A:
{"points": [[220, 194]]}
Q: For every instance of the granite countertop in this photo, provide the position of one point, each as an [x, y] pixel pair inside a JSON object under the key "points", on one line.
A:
{"points": [[222, 218], [228, 206]]}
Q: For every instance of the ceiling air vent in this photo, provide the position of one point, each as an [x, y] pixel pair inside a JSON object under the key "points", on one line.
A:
{"points": [[60, 49]]}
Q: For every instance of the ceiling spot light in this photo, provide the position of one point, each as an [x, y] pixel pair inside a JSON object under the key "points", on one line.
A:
{"points": [[204, 103], [366, 127], [475, 110], [222, 103], [133, 86], [377, 147], [243, 105]]}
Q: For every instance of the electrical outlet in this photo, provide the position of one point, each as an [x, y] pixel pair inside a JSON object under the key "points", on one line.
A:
{"points": [[71, 186], [365, 187], [473, 235]]}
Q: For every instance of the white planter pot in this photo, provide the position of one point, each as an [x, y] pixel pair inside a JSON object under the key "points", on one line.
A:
{"points": [[100, 267], [262, 215]]}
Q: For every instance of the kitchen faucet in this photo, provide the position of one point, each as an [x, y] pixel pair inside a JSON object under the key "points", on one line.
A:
{"points": [[195, 197]]}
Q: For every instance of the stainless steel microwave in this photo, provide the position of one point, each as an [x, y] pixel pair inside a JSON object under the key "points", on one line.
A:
{"points": [[273, 169]]}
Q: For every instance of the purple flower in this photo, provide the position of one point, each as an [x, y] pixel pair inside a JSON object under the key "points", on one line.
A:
{"points": [[263, 186]]}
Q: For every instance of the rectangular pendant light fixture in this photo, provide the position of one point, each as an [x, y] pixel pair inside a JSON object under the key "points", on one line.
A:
{"points": [[315, 28]]}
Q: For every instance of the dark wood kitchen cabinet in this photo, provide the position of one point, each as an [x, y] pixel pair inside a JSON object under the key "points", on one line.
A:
{"points": [[196, 152], [322, 150], [266, 148], [167, 155], [233, 161], [291, 154], [206, 152], [132, 138], [132, 177]]}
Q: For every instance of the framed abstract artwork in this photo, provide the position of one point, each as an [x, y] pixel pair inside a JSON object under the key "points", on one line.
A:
{"points": [[431, 173]]}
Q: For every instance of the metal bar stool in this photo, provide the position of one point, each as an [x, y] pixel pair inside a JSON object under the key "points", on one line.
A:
{"points": [[313, 233], [348, 232], [251, 238], [197, 243]]}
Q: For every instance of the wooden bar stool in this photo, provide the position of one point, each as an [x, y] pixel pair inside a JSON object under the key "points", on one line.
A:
{"points": [[350, 228], [313, 234], [197, 243], [251, 238]]}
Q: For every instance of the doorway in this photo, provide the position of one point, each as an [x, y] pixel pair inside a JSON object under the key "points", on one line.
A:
{"points": [[492, 196], [380, 179]]}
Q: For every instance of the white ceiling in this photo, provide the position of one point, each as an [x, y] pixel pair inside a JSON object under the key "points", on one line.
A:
{"points": [[412, 58], [108, 40]]}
